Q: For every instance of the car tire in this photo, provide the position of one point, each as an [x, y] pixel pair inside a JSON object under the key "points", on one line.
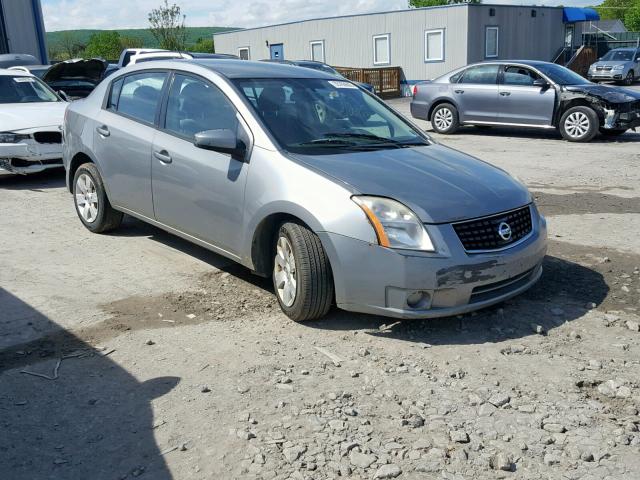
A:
{"points": [[612, 132], [302, 277], [579, 124], [445, 119], [91, 202], [628, 80]]}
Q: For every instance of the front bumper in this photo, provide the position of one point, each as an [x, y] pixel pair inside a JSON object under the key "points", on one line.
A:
{"points": [[377, 280], [612, 75], [29, 157]]}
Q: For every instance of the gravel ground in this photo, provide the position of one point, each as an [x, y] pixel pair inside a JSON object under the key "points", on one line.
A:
{"points": [[164, 361]]}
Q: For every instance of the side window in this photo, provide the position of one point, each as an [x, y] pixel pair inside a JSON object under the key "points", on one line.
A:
{"points": [[140, 95], [514, 75], [481, 74], [196, 105], [456, 78], [114, 94]]}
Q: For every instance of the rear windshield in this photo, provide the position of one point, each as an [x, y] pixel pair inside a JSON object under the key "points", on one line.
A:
{"points": [[318, 116], [22, 89]]}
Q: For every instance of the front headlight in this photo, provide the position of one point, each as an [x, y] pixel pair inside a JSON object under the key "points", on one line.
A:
{"points": [[396, 226], [618, 67], [12, 137]]}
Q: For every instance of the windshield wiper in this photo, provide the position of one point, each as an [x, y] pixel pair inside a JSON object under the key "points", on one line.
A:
{"points": [[381, 140]]}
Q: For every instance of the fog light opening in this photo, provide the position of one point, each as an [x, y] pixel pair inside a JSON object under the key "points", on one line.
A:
{"points": [[418, 300]]}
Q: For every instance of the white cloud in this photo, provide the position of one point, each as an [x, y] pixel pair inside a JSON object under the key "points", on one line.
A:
{"points": [[108, 14]]}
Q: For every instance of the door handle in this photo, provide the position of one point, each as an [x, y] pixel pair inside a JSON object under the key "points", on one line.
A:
{"points": [[163, 156], [505, 94], [459, 91], [103, 130]]}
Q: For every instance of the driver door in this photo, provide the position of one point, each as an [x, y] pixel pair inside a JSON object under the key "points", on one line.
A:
{"points": [[521, 102], [196, 191]]}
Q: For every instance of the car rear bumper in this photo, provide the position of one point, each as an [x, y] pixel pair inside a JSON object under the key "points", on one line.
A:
{"points": [[377, 280], [419, 109]]}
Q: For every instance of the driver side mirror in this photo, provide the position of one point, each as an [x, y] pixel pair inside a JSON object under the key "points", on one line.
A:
{"points": [[222, 140], [541, 82]]}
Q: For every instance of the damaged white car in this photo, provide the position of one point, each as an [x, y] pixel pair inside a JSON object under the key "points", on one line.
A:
{"points": [[30, 118]]}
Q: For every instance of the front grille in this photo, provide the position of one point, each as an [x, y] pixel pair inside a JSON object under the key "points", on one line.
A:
{"points": [[606, 69], [48, 137], [484, 233]]}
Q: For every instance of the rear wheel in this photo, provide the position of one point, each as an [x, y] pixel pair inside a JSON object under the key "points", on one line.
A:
{"points": [[444, 118], [302, 275], [90, 198], [579, 124]]}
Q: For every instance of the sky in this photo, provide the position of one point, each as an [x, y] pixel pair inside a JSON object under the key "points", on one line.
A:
{"points": [[111, 14]]}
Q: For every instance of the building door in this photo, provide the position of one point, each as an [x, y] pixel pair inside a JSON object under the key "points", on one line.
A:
{"points": [[277, 51], [568, 35]]}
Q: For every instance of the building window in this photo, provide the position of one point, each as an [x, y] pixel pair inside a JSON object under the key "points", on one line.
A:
{"points": [[492, 12], [381, 50], [317, 51], [243, 53], [491, 42], [534, 13], [434, 45]]}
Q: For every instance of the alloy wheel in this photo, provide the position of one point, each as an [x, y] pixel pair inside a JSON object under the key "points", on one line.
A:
{"points": [[285, 272], [443, 119], [577, 124], [86, 198], [629, 78]]}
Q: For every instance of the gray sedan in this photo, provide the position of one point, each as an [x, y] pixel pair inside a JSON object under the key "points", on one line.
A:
{"points": [[620, 64], [526, 94], [304, 178]]}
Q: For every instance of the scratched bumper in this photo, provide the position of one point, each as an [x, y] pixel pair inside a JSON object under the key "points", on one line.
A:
{"points": [[29, 157], [377, 280]]}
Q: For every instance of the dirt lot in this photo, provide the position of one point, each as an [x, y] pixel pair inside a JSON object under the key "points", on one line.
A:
{"points": [[165, 361]]}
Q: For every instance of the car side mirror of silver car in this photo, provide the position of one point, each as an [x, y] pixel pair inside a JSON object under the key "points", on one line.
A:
{"points": [[222, 140], [541, 82]]}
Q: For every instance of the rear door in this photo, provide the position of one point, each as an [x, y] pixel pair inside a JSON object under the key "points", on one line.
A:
{"points": [[520, 101], [123, 138], [199, 192], [476, 94]]}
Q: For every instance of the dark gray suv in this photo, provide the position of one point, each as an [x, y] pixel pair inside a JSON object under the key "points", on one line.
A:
{"points": [[526, 94]]}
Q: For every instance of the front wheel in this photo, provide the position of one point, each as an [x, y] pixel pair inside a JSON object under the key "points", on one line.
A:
{"points": [[444, 118], [579, 124], [628, 80], [90, 198], [302, 275]]}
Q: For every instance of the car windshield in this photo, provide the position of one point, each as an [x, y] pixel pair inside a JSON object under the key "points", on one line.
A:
{"points": [[23, 89], [561, 75], [318, 116], [618, 56]]}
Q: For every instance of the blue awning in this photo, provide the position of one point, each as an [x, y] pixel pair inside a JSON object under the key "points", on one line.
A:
{"points": [[574, 14]]}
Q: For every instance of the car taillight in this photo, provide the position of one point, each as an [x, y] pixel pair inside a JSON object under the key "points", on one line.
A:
{"points": [[415, 90]]}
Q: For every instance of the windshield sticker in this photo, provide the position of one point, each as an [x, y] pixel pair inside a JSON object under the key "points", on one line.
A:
{"points": [[24, 79], [341, 84]]}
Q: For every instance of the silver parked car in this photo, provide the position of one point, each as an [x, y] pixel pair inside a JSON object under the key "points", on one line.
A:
{"points": [[306, 178], [620, 64], [526, 93]]}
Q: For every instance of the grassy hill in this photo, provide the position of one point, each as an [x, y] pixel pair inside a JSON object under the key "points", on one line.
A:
{"points": [[82, 36]]}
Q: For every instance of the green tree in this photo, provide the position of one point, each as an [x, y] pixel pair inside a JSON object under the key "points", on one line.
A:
{"points": [[436, 3], [130, 42], [106, 44], [168, 27], [204, 45], [69, 46], [626, 10]]}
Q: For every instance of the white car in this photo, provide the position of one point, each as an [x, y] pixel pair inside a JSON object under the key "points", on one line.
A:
{"points": [[161, 55], [128, 53], [31, 115]]}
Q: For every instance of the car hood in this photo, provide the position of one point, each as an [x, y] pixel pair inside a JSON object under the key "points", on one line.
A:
{"points": [[608, 93], [91, 70], [439, 184], [611, 63], [24, 116]]}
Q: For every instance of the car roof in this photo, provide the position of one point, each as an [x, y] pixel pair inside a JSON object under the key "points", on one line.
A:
{"points": [[531, 63], [231, 68], [14, 73], [626, 49]]}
